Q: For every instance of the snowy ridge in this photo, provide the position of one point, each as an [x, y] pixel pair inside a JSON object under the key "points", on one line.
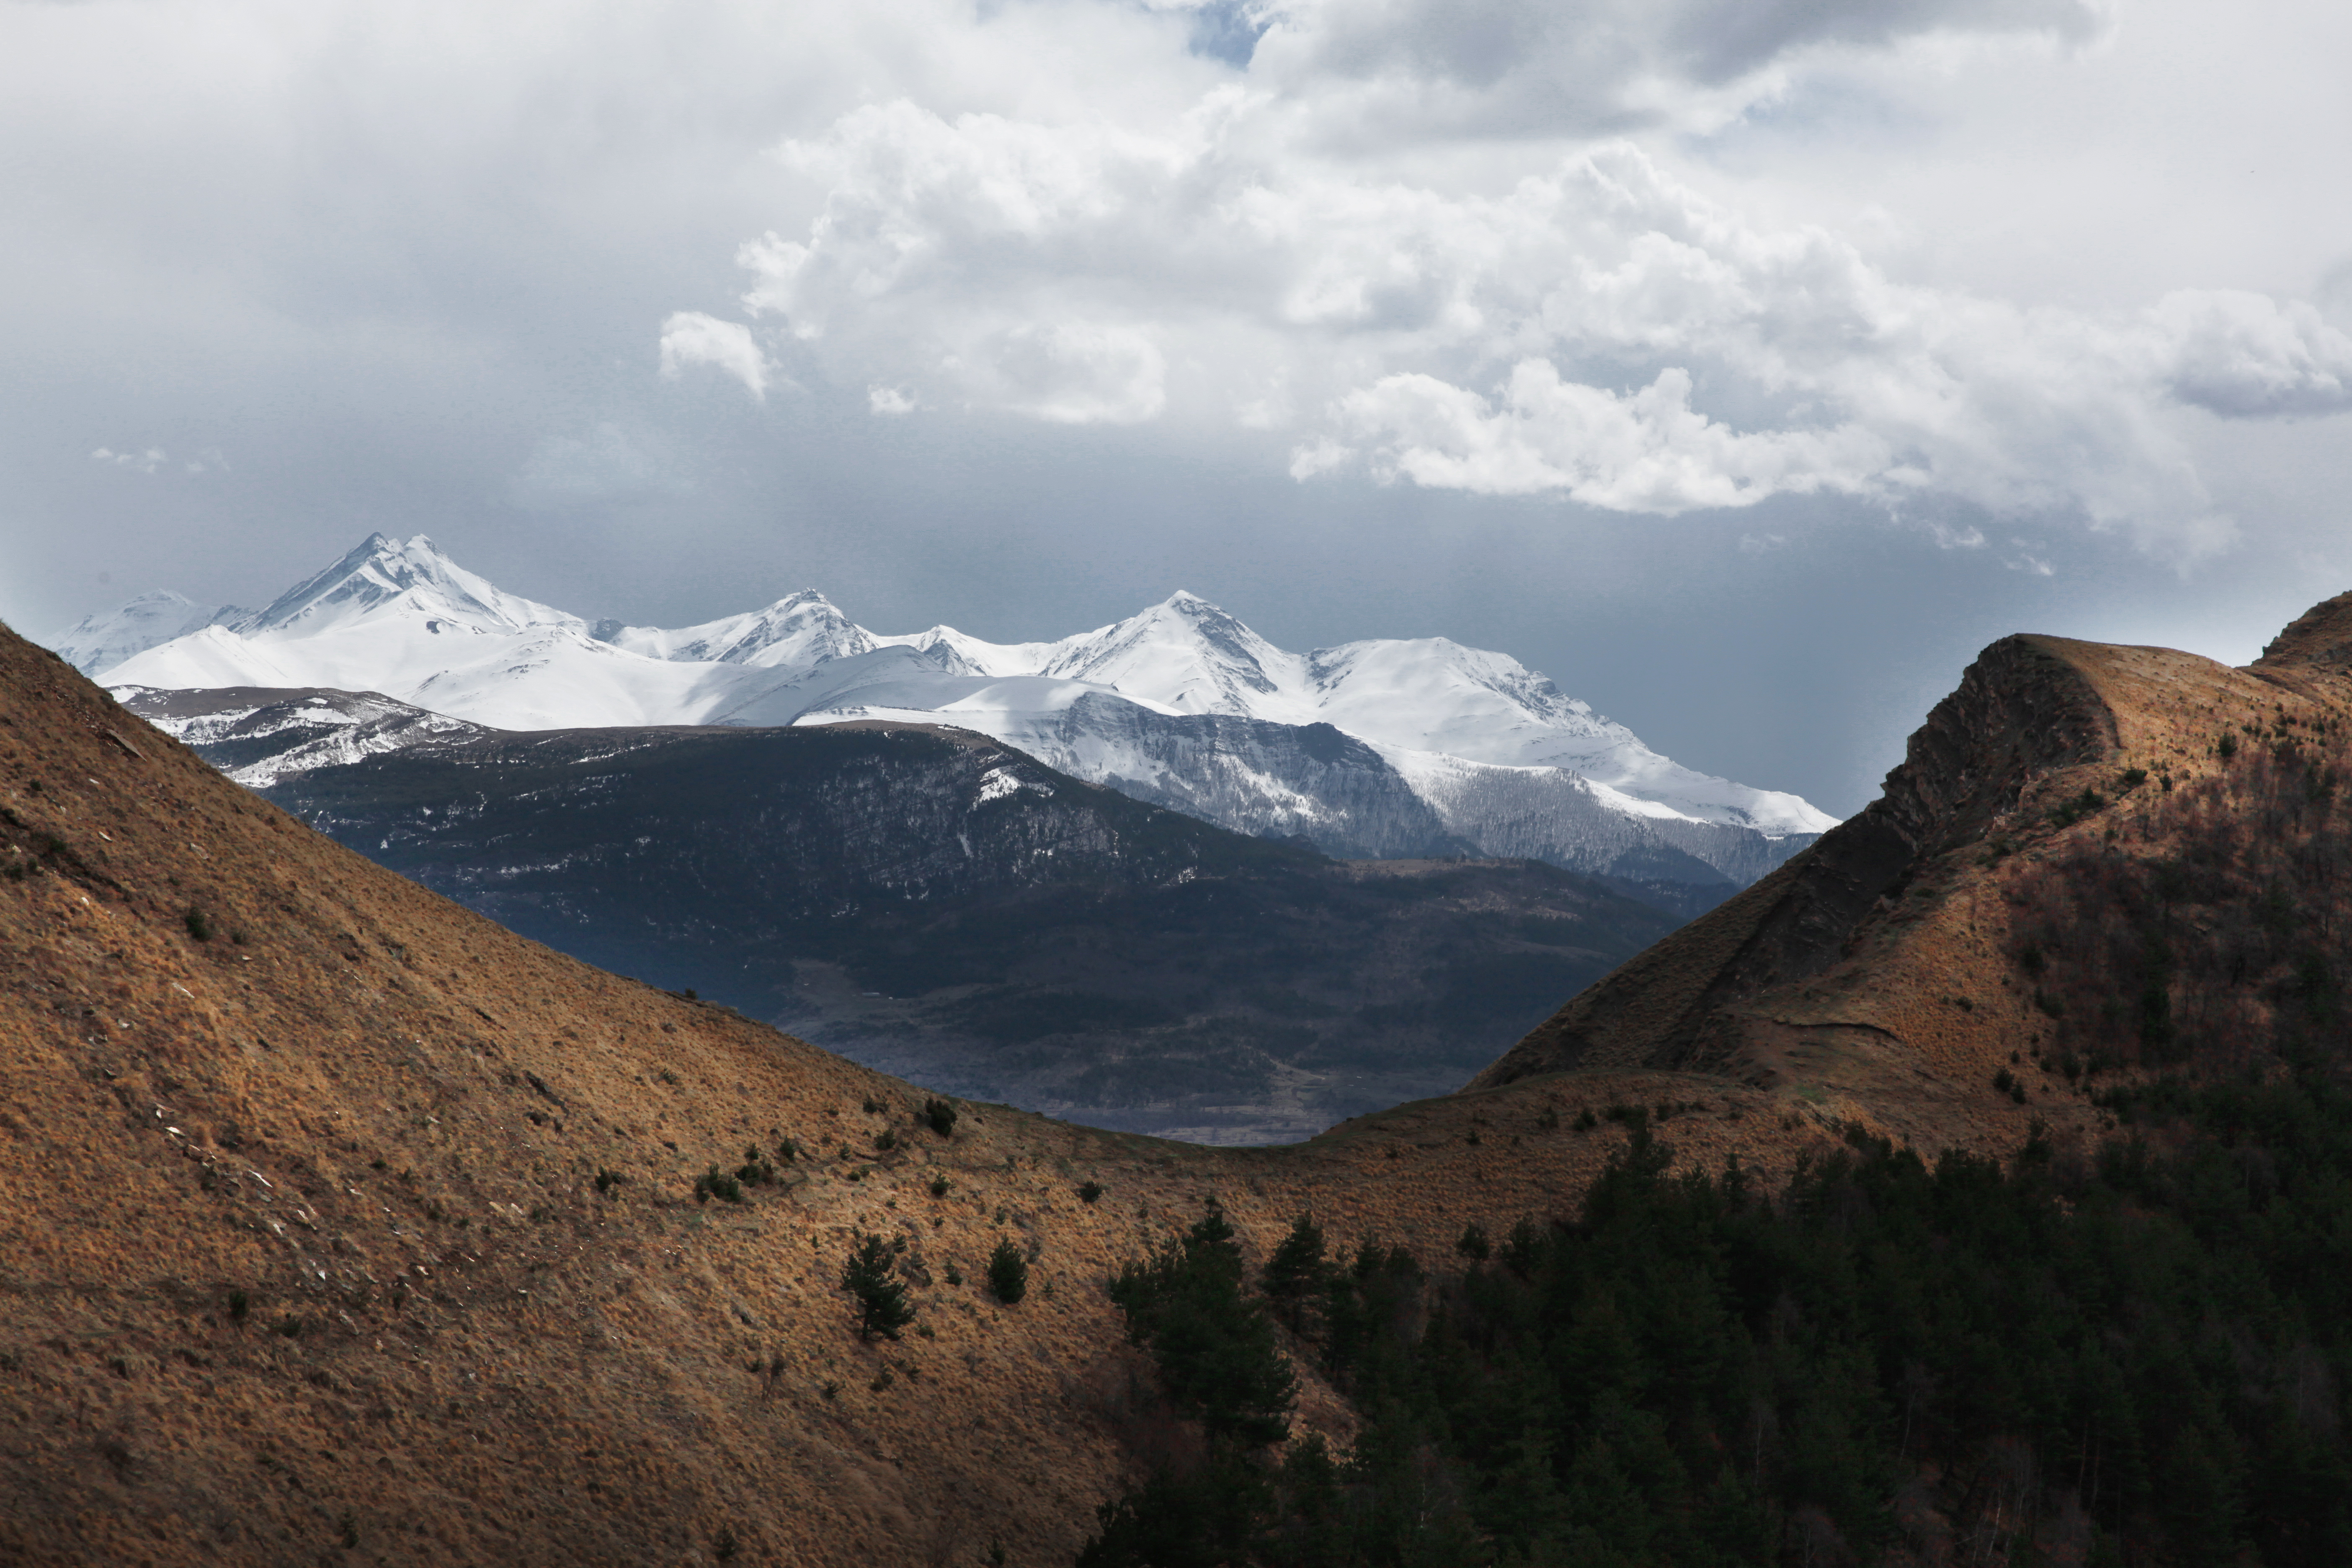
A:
{"points": [[1277, 781], [101, 641], [802, 629], [1382, 747], [1555, 815]]}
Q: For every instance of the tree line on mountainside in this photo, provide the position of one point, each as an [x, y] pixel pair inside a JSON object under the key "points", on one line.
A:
{"points": [[2131, 1354]]}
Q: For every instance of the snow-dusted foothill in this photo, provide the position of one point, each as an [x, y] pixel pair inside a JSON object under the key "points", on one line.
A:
{"points": [[258, 735], [1384, 747]]}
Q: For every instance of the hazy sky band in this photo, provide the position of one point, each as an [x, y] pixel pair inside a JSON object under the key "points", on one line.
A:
{"points": [[1683, 354]]}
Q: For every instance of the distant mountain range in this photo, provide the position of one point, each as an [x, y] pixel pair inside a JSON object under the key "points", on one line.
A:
{"points": [[1378, 749]]}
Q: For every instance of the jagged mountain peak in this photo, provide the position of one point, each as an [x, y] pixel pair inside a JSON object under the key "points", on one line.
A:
{"points": [[1387, 664], [2042, 806], [381, 571], [154, 598], [1191, 656], [380, 618]]}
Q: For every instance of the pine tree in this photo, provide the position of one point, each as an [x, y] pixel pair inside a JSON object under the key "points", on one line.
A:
{"points": [[882, 1306], [1008, 1273], [1295, 1273]]}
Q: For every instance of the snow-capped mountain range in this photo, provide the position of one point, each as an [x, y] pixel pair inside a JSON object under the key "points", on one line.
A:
{"points": [[1381, 747]]}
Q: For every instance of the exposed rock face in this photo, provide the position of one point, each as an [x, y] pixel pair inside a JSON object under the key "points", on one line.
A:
{"points": [[258, 735], [2318, 642], [1545, 814], [1881, 970], [1309, 784], [1373, 750], [2021, 710]]}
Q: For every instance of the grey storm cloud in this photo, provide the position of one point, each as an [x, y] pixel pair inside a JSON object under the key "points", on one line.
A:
{"points": [[1484, 66], [1606, 42], [2250, 357]]}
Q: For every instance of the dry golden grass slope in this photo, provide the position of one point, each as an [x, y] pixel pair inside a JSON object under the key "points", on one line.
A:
{"points": [[1885, 976], [377, 1121]]}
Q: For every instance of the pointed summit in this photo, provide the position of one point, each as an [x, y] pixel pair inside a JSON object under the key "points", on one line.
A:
{"points": [[2319, 640], [403, 618], [1192, 657], [381, 571]]}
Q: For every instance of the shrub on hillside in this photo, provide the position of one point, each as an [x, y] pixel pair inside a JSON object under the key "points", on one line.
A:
{"points": [[717, 1183], [1008, 1273], [1297, 1273], [2202, 929]]}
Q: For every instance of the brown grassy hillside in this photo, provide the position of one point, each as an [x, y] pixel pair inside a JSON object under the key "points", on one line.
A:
{"points": [[304, 1256], [2090, 858]]}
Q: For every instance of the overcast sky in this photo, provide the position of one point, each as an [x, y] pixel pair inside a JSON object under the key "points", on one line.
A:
{"points": [[1743, 364]]}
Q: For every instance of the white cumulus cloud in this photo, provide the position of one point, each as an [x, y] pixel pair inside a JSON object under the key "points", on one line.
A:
{"points": [[1597, 330], [2248, 355], [691, 338], [1646, 451]]}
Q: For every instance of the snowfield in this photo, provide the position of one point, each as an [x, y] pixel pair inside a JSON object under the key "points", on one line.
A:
{"points": [[1381, 747]]}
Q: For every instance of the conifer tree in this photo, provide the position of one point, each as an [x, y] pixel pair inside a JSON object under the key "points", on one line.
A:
{"points": [[867, 1276], [1296, 1274], [1008, 1273]]}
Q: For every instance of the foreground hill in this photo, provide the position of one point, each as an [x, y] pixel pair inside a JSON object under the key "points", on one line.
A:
{"points": [[306, 1254], [2093, 858]]}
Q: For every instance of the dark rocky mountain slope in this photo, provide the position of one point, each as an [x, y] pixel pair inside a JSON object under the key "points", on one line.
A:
{"points": [[938, 905], [1308, 784]]}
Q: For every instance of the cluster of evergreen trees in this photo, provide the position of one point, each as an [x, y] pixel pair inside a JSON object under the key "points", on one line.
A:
{"points": [[2131, 1356]]}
